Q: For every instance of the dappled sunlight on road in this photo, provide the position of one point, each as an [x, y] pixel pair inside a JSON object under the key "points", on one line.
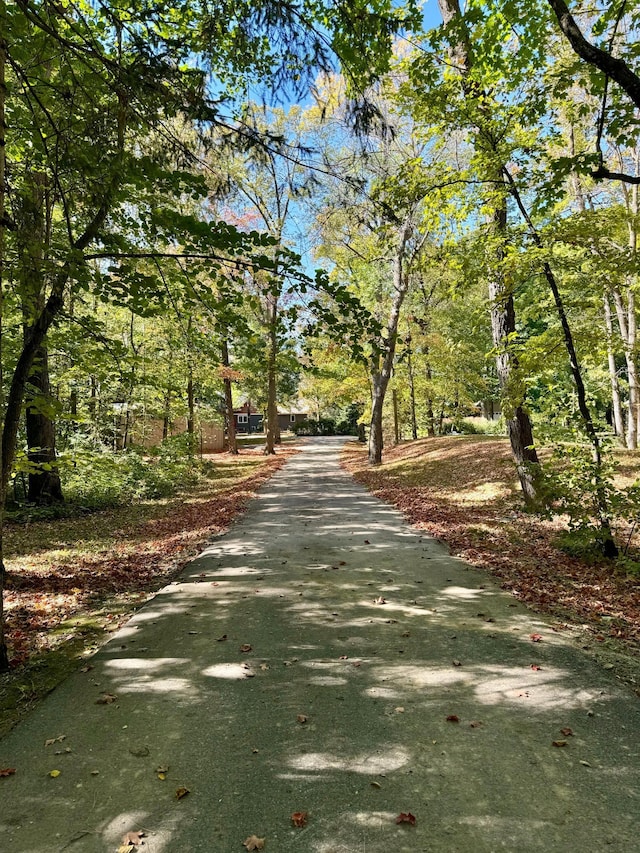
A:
{"points": [[324, 657], [385, 761]]}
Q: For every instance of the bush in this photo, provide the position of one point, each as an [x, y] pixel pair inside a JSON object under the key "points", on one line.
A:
{"points": [[324, 426], [97, 478]]}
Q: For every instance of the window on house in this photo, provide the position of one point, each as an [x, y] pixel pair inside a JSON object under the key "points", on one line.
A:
{"points": [[293, 418], [243, 419]]}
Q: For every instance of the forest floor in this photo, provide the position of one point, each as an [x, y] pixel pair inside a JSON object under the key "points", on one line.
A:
{"points": [[462, 490], [72, 582]]}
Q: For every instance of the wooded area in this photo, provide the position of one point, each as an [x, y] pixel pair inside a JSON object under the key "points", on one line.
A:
{"points": [[420, 226]]}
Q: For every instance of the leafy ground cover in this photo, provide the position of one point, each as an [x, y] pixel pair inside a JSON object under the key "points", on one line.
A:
{"points": [[463, 490], [72, 581]]}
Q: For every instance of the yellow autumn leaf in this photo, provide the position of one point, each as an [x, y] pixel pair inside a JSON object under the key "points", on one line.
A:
{"points": [[54, 773]]}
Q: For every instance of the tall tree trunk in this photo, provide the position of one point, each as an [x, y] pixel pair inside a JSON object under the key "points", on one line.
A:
{"points": [[431, 419], [232, 442], [31, 238], [44, 483], [503, 327], [396, 420], [4, 653], [628, 341], [272, 355], [191, 412], [412, 393], [616, 405], [166, 416], [376, 444], [382, 365], [503, 324]]}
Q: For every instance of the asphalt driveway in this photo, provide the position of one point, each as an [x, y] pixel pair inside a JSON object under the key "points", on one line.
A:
{"points": [[324, 660]]}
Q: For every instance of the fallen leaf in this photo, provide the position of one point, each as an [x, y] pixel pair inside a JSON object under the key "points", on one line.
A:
{"points": [[54, 774], [221, 639], [162, 772], [7, 771], [535, 667], [399, 710], [559, 743], [134, 838], [567, 732], [343, 657], [254, 843], [302, 718], [299, 818], [182, 792], [406, 634], [246, 647], [453, 718], [475, 724], [457, 663], [535, 638], [264, 667], [585, 764], [380, 600], [375, 784], [107, 699], [50, 741], [366, 542], [406, 817], [126, 848], [86, 668]]}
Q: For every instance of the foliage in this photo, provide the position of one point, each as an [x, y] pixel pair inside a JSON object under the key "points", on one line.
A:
{"points": [[323, 426]]}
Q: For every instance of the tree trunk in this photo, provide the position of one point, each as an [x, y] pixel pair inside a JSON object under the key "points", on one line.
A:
{"points": [[232, 442], [412, 395], [191, 412], [272, 401], [375, 433], [44, 484], [503, 327], [381, 374], [431, 419], [396, 422], [622, 314], [4, 653], [31, 238], [616, 405]]}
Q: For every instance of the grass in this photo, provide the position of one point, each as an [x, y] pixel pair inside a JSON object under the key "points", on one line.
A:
{"points": [[72, 581], [463, 490]]}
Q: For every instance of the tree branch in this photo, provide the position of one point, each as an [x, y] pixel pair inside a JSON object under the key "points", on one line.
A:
{"points": [[615, 68]]}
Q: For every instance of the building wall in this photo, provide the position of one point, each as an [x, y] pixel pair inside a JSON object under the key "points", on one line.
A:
{"points": [[209, 435]]}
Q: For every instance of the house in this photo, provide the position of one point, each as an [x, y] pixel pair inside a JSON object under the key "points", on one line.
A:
{"points": [[286, 419], [248, 419]]}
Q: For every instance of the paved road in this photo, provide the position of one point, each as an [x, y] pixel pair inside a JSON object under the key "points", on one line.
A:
{"points": [[339, 709]]}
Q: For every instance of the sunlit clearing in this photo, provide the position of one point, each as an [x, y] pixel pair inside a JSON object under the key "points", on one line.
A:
{"points": [[230, 671], [491, 685], [480, 494], [463, 592], [149, 664], [383, 762], [113, 831]]}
